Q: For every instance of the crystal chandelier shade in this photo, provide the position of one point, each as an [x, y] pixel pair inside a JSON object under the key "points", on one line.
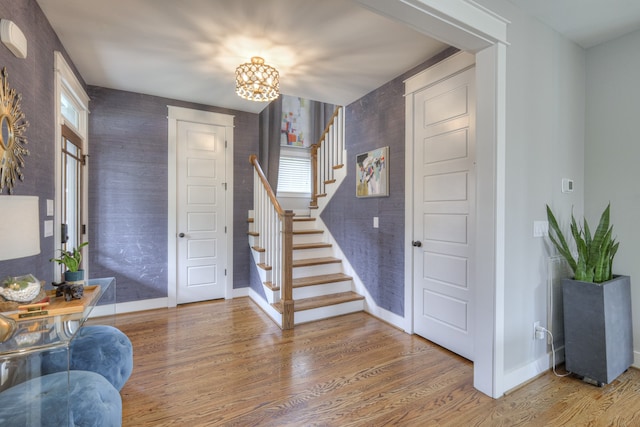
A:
{"points": [[257, 81]]}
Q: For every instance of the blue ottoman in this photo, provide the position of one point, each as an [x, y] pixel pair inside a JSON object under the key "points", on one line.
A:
{"points": [[42, 401], [102, 349]]}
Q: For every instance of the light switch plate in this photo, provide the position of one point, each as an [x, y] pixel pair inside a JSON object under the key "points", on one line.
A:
{"points": [[49, 207], [540, 228], [48, 228], [375, 222]]}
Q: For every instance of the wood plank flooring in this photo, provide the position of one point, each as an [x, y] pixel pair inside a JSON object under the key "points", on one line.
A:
{"points": [[225, 363]]}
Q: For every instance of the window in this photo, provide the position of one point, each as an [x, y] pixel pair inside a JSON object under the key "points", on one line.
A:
{"points": [[294, 176], [72, 161]]}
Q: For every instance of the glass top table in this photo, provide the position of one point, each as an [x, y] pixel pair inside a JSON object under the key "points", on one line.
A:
{"points": [[56, 324]]}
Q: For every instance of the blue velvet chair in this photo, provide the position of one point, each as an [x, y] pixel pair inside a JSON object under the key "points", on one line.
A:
{"points": [[99, 348], [41, 401]]}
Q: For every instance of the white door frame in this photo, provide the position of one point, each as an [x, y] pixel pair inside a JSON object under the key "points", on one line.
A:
{"points": [[186, 114], [67, 83], [472, 28]]}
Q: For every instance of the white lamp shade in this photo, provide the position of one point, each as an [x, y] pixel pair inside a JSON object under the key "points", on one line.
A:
{"points": [[19, 227]]}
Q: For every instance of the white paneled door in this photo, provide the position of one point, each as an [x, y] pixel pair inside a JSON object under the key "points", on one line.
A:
{"points": [[444, 212], [201, 252]]}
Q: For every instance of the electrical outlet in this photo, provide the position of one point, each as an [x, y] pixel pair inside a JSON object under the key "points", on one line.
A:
{"points": [[538, 331]]}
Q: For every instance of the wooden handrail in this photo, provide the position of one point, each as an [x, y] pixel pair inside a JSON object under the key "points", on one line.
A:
{"points": [[254, 161]]}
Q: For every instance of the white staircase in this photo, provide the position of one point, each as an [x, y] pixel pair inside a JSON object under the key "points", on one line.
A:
{"points": [[303, 279], [320, 287]]}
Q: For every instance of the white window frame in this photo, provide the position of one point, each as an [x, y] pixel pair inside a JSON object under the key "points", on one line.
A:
{"points": [[66, 82], [286, 152]]}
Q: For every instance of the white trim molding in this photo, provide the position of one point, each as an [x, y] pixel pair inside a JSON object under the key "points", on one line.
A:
{"points": [[66, 82], [475, 29], [461, 23]]}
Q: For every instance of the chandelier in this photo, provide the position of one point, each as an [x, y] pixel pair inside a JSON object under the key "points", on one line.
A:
{"points": [[257, 81]]}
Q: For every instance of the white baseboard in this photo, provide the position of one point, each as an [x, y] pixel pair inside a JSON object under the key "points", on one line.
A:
{"points": [[240, 292], [531, 370], [129, 307], [636, 359]]}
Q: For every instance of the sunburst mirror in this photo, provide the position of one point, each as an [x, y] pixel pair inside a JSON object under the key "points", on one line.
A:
{"points": [[12, 140]]}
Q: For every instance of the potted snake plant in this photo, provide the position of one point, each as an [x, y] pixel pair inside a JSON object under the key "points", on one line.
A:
{"points": [[596, 304]]}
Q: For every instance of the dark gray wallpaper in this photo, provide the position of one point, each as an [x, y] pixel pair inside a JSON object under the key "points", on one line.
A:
{"points": [[33, 78], [377, 255], [128, 197]]}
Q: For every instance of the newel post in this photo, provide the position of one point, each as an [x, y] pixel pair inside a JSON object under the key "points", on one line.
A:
{"points": [[287, 270]]}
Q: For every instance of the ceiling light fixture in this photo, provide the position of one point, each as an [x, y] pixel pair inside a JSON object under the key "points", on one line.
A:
{"points": [[257, 81]]}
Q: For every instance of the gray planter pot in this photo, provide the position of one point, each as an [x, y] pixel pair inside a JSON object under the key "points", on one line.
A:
{"points": [[598, 335], [74, 276]]}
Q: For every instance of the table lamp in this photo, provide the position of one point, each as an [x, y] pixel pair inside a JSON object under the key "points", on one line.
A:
{"points": [[19, 238]]}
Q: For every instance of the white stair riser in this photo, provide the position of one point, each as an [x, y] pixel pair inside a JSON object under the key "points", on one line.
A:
{"points": [[304, 225], [317, 270], [323, 289], [329, 311], [312, 253], [307, 238], [258, 257]]}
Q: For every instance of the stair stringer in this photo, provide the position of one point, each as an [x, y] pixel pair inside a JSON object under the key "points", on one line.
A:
{"points": [[266, 307], [265, 276], [370, 306]]}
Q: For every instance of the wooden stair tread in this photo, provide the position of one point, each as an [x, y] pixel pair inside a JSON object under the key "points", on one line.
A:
{"points": [[320, 280], [264, 266], [315, 261], [338, 166], [249, 220], [299, 246], [308, 231], [271, 286], [253, 233], [330, 181], [321, 301], [258, 249]]}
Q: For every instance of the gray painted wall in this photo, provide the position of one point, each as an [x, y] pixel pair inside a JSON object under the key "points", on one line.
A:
{"points": [[33, 78], [612, 152], [128, 197], [377, 255], [545, 135]]}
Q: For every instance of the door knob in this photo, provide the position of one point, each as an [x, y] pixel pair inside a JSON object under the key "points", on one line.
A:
{"points": [[181, 235], [416, 243]]}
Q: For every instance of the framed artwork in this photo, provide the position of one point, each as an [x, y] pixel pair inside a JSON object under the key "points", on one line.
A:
{"points": [[372, 173]]}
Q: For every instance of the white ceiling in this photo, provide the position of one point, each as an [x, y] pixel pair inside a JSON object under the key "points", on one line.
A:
{"points": [[328, 50]]}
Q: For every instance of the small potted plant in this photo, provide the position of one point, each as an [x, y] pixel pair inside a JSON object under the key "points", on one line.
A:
{"points": [[71, 260], [598, 334]]}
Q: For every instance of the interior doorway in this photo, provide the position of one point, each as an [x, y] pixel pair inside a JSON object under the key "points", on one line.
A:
{"points": [[200, 206], [443, 153]]}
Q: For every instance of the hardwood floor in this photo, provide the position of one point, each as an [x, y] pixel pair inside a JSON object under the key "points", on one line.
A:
{"points": [[226, 363]]}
